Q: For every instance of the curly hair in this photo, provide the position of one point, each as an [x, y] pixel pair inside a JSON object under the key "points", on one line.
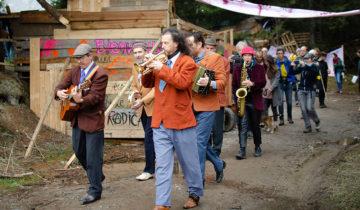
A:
{"points": [[273, 68], [178, 37]]}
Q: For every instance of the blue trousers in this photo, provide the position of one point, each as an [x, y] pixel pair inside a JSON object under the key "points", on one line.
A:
{"points": [[149, 144], [338, 80], [88, 148], [295, 88], [286, 88], [205, 121], [184, 143], [218, 126]]}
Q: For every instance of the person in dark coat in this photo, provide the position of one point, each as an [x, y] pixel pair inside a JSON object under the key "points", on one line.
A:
{"points": [[322, 83], [254, 82], [89, 121], [308, 72]]}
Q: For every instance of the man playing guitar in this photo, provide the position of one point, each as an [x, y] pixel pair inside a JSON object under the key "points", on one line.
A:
{"points": [[88, 122]]}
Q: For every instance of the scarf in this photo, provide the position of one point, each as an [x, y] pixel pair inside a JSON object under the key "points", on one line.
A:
{"points": [[336, 60]]}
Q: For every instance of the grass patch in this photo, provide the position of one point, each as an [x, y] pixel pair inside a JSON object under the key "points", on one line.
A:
{"points": [[8, 185], [347, 85], [346, 190]]}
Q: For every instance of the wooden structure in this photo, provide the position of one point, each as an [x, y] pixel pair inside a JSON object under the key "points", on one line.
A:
{"points": [[288, 42], [302, 38], [110, 27]]}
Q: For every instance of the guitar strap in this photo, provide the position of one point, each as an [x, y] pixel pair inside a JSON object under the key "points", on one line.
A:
{"points": [[92, 72]]}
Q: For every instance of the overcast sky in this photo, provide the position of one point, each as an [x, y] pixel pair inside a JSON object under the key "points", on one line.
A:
{"points": [[23, 5]]}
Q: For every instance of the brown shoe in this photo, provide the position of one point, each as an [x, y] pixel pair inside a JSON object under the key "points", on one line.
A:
{"points": [[192, 201], [161, 208]]}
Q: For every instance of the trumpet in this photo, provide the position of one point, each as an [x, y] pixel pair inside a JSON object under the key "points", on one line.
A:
{"points": [[143, 69]]}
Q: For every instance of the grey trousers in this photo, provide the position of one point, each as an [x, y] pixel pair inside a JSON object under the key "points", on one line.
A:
{"points": [[307, 101], [166, 141]]}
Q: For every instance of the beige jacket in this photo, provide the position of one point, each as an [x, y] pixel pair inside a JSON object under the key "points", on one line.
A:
{"points": [[147, 94]]}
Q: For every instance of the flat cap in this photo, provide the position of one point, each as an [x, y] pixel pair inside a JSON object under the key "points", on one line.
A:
{"points": [[139, 44], [309, 56], [82, 50], [210, 41]]}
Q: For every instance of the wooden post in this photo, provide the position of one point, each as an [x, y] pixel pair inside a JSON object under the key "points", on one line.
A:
{"points": [[232, 36], [178, 26], [53, 12], [70, 161], [43, 115]]}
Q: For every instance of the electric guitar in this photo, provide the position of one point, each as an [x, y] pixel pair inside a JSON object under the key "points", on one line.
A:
{"points": [[68, 106]]}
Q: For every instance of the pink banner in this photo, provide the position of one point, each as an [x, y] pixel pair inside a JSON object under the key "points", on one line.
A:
{"points": [[248, 8]]}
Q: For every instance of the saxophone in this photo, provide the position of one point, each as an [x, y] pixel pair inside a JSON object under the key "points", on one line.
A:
{"points": [[242, 92]]}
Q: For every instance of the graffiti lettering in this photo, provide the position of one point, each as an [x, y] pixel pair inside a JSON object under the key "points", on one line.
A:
{"points": [[118, 47], [113, 47], [123, 118], [120, 104]]}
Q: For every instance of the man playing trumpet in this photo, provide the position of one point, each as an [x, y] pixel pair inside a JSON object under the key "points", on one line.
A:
{"points": [[173, 121], [144, 104]]}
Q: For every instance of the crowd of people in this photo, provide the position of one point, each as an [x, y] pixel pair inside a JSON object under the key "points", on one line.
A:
{"points": [[181, 101]]}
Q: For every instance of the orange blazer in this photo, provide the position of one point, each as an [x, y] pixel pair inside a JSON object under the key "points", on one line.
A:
{"points": [[210, 102], [222, 93], [147, 95], [173, 105]]}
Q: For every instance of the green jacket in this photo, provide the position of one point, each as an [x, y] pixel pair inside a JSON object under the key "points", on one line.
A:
{"points": [[338, 67]]}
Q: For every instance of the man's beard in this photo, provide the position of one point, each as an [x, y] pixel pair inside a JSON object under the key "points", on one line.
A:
{"points": [[139, 60]]}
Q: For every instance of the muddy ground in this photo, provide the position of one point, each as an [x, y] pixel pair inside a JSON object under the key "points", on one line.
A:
{"points": [[293, 173]]}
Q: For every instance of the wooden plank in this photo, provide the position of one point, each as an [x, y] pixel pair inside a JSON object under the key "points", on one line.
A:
{"points": [[132, 33], [7, 40], [118, 24], [44, 17], [34, 74], [46, 86], [12, 16], [190, 26], [52, 112], [135, 8], [6, 64], [37, 17], [125, 15], [22, 68], [125, 3]]}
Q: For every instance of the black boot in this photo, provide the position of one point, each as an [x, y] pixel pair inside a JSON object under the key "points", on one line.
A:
{"points": [[241, 154], [281, 120], [257, 152], [290, 119]]}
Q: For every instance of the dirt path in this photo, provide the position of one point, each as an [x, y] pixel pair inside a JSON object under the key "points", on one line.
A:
{"points": [[291, 171]]}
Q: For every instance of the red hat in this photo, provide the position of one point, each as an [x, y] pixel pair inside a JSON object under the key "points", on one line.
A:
{"points": [[247, 50]]}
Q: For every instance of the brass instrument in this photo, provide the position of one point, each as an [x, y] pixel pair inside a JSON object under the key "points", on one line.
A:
{"points": [[242, 92], [143, 69]]}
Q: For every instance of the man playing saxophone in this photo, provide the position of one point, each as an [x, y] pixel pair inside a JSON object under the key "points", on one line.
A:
{"points": [[250, 76]]}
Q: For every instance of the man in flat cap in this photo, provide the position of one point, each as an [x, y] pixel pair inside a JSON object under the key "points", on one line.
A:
{"points": [[144, 105], [88, 122], [217, 137]]}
